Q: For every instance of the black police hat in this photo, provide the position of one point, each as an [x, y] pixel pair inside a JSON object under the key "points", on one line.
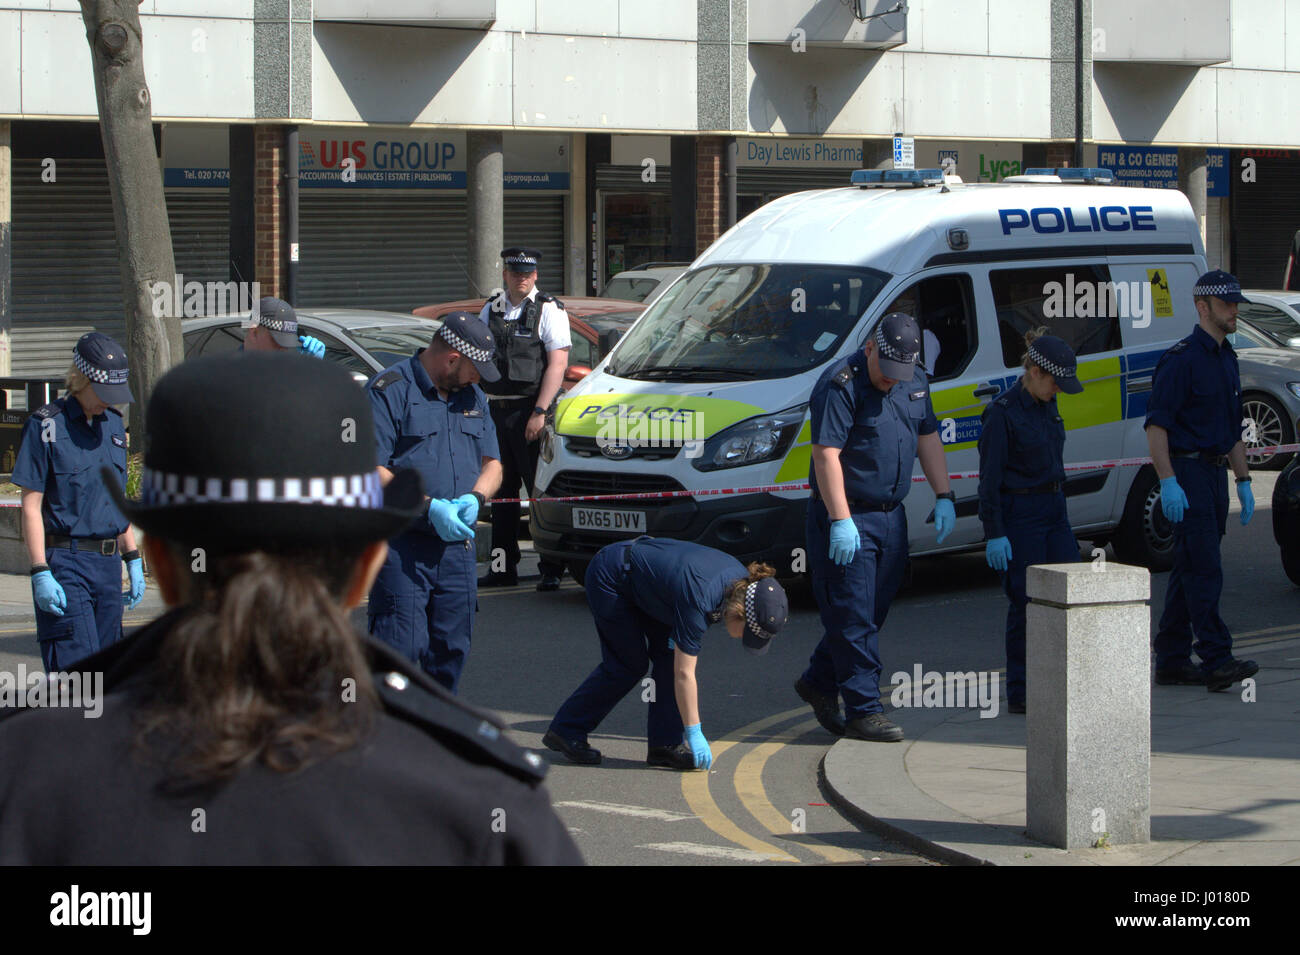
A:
{"points": [[263, 448], [103, 361], [519, 258], [278, 317], [1056, 358], [898, 339], [467, 333], [766, 610], [1219, 284]]}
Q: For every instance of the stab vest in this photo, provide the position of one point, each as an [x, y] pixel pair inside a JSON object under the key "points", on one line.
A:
{"points": [[521, 355]]}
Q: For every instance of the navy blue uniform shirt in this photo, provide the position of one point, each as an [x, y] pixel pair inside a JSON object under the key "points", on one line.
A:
{"points": [[1196, 395], [875, 432], [62, 459], [681, 584], [445, 440], [1022, 445]]}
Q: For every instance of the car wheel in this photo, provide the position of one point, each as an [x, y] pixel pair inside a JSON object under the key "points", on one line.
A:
{"points": [[1145, 537], [1291, 562], [578, 570], [1272, 428]]}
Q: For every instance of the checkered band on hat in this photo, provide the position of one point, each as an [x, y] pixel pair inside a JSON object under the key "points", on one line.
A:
{"points": [[889, 350], [1226, 288], [277, 324], [751, 615], [159, 489], [472, 352], [104, 376], [1051, 367], [521, 260]]}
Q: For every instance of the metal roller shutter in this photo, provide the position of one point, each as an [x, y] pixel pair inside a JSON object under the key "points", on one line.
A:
{"points": [[200, 224], [1265, 216], [402, 251], [779, 182], [66, 276], [628, 179]]}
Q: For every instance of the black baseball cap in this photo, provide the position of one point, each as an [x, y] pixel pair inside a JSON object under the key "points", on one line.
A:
{"points": [[1056, 358], [898, 339], [766, 610], [469, 335], [103, 361], [278, 317], [1219, 284]]}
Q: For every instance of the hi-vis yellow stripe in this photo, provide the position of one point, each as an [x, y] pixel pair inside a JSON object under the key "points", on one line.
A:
{"points": [[642, 415], [799, 458], [1102, 398]]}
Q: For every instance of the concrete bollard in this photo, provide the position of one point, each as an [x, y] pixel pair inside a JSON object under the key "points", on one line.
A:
{"points": [[1088, 705]]}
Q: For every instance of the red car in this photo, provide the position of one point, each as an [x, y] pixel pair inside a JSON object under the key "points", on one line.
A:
{"points": [[589, 320]]}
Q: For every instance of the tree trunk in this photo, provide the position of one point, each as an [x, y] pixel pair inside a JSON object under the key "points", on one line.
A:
{"points": [[144, 240]]}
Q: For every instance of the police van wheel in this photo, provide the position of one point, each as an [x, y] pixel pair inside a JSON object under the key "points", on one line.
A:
{"points": [[578, 570], [1272, 428], [1145, 537], [1291, 563]]}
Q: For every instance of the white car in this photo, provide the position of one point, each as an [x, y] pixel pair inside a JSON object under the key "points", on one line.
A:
{"points": [[644, 283], [1275, 314]]}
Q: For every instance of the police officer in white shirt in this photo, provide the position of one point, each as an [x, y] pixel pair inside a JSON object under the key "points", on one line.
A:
{"points": [[532, 352]]}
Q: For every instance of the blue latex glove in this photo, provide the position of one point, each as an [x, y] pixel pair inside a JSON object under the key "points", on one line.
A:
{"points": [[311, 346], [1172, 499], [844, 540], [49, 593], [135, 568], [997, 552], [467, 509], [446, 521], [699, 746], [1247, 498], [945, 516]]}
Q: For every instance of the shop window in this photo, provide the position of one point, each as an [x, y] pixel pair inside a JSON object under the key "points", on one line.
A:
{"points": [[637, 230], [942, 306], [1076, 303]]}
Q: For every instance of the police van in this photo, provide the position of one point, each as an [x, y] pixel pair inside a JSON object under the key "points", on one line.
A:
{"points": [[708, 392]]}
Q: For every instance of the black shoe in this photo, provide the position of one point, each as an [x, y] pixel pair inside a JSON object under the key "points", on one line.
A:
{"points": [[874, 728], [548, 582], [673, 757], [825, 708], [1185, 674], [504, 579], [1016, 706], [574, 750], [1229, 673]]}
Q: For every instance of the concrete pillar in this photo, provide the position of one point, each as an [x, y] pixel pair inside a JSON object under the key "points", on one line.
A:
{"points": [[6, 248], [877, 154], [485, 182], [1088, 704], [1193, 179]]}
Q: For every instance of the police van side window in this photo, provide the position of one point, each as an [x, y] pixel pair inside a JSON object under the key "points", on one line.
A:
{"points": [[942, 306], [1077, 303]]}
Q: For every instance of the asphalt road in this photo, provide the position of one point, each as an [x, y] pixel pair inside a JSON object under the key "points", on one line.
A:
{"points": [[761, 802]]}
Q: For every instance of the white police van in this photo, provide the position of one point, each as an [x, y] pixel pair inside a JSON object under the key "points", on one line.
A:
{"points": [[709, 390]]}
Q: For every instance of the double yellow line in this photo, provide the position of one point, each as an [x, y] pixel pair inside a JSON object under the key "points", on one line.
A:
{"points": [[747, 780]]}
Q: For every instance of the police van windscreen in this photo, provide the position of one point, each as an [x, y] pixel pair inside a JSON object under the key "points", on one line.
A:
{"points": [[738, 322]]}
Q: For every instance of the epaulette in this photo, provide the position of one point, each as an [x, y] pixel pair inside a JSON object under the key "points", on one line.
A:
{"points": [[844, 376], [114, 410], [547, 297], [473, 734], [47, 411], [386, 379], [1178, 346]]}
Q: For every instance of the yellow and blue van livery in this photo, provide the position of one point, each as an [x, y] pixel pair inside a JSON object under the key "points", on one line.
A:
{"points": [[708, 391]]}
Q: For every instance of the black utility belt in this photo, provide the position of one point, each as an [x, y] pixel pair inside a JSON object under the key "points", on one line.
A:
{"points": [[94, 545], [1205, 457], [1049, 488], [857, 505]]}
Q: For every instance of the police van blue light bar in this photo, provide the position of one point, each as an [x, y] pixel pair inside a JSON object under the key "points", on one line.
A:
{"points": [[1076, 174], [914, 178]]}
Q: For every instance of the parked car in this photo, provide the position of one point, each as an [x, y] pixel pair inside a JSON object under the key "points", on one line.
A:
{"points": [[1270, 393], [642, 283], [589, 319], [364, 341], [1286, 519], [1276, 315]]}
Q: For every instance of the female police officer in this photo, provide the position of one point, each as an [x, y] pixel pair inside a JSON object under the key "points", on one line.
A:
{"points": [[1022, 486], [653, 600], [75, 537]]}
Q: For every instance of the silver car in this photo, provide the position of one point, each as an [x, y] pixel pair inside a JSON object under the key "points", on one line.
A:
{"points": [[1270, 391], [1275, 315]]}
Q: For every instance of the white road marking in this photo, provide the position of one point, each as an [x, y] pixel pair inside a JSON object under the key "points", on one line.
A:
{"points": [[641, 812], [716, 852]]}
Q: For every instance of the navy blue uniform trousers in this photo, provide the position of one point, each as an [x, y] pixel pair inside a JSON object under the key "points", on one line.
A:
{"points": [[630, 642], [423, 603], [92, 619], [1196, 582], [854, 600], [1038, 528]]}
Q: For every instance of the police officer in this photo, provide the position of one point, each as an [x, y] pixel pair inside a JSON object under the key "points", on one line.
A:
{"points": [[871, 416], [309, 744], [653, 600], [75, 537], [1022, 486], [1194, 432], [531, 331], [431, 416], [275, 328]]}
